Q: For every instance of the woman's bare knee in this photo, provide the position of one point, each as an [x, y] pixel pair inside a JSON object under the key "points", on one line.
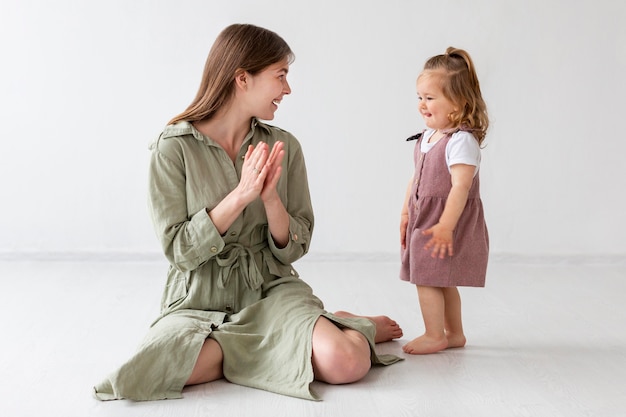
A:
{"points": [[340, 356], [350, 364]]}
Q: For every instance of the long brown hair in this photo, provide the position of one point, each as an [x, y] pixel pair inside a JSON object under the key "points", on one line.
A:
{"points": [[238, 47], [460, 85]]}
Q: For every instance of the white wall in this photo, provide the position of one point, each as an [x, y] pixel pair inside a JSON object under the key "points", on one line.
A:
{"points": [[85, 86]]}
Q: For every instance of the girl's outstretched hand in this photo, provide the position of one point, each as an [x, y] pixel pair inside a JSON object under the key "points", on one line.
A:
{"points": [[441, 241]]}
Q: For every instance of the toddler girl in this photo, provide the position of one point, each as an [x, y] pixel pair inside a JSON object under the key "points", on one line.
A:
{"points": [[443, 235]]}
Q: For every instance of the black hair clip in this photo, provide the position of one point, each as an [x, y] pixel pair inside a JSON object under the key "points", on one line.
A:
{"points": [[414, 137]]}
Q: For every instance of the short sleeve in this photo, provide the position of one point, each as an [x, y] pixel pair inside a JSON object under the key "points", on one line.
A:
{"points": [[463, 148]]}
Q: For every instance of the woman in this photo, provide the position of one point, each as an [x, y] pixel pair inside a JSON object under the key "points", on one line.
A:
{"points": [[230, 203]]}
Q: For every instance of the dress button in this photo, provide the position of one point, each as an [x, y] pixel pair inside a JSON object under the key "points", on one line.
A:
{"points": [[213, 249], [292, 272], [295, 236], [233, 233]]}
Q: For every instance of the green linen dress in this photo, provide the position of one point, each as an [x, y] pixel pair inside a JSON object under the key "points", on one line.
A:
{"points": [[238, 288]]}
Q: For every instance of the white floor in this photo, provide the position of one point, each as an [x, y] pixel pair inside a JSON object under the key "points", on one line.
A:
{"points": [[543, 340]]}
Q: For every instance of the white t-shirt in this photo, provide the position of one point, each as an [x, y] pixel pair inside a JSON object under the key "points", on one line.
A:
{"points": [[462, 148]]}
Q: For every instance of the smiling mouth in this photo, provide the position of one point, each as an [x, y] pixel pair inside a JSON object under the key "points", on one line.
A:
{"points": [[276, 102]]}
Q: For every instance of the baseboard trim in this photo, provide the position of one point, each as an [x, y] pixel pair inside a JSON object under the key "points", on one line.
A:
{"points": [[506, 258]]}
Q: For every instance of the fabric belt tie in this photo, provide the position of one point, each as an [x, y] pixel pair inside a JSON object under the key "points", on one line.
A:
{"points": [[239, 259]]}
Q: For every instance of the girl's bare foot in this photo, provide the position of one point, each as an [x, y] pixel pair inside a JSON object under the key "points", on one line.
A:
{"points": [[424, 345], [386, 328], [455, 340]]}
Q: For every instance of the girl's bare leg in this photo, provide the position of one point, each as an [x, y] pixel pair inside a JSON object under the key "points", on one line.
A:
{"points": [[386, 328], [208, 366], [453, 322], [432, 305], [340, 356]]}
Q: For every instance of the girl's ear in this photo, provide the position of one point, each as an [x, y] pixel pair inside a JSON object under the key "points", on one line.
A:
{"points": [[460, 106]]}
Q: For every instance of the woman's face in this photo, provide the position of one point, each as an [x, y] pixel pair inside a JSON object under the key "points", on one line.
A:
{"points": [[266, 89], [433, 105]]}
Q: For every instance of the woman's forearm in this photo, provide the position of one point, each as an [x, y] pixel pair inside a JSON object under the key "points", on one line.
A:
{"points": [[278, 221]]}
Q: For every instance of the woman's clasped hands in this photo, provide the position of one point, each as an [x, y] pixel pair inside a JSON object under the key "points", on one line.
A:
{"points": [[261, 171]]}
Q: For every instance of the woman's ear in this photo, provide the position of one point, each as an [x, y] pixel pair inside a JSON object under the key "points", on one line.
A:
{"points": [[241, 79]]}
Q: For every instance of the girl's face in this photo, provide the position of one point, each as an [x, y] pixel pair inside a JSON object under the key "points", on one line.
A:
{"points": [[433, 105], [265, 90]]}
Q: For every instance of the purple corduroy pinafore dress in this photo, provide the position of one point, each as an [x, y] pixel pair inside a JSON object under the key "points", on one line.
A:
{"points": [[431, 186]]}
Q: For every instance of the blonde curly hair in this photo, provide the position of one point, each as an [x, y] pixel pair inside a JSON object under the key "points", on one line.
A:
{"points": [[459, 84]]}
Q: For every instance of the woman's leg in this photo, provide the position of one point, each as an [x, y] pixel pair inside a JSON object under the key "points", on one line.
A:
{"points": [[340, 356], [453, 322], [432, 305], [208, 366]]}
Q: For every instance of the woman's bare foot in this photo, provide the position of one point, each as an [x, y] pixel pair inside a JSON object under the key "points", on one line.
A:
{"points": [[455, 340], [386, 328], [424, 345]]}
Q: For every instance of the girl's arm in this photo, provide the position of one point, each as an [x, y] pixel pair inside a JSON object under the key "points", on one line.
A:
{"points": [[442, 232], [404, 215]]}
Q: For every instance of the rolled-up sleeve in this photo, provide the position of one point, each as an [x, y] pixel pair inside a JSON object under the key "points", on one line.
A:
{"points": [[187, 240], [297, 201]]}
